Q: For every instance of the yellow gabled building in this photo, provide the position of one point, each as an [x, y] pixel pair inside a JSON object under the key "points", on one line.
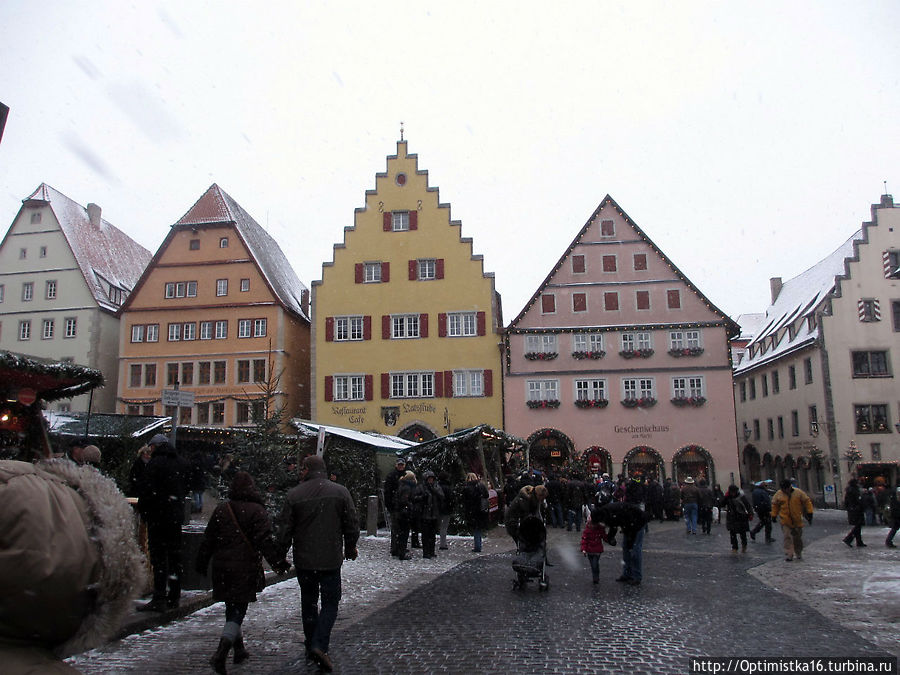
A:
{"points": [[406, 323]]}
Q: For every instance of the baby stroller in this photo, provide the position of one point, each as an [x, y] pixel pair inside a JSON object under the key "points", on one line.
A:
{"points": [[531, 554]]}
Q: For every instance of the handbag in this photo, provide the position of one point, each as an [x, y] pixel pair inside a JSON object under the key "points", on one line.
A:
{"points": [[260, 572]]}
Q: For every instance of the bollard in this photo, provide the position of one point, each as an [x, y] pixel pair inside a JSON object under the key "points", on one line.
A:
{"points": [[372, 516]]}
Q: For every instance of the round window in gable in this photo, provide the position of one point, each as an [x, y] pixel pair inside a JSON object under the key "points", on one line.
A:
{"points": [[401, 179]]}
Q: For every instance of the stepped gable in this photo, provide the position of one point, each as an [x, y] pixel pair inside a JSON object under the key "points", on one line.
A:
{"points": [[103, 252], [217, 207], [731, 326]]}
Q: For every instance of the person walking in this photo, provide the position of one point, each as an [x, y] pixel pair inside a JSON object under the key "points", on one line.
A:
{"points": [[762, 506], [162, 506], [855, 513], [705, 502], [529, 502], [237, 536], [406, 504], [893, 518], [633, 522], [555, 501], [592, 539], [447, 503], [717, 491], [790, 506], [574, 496], [320, 522], [430, 498], [476, 508], [737, 520], [391, 483], [671, 499], [690, 498]]}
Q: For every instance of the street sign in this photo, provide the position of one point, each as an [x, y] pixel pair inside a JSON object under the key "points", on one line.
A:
{"points": [[177, 397], [829, 488]]}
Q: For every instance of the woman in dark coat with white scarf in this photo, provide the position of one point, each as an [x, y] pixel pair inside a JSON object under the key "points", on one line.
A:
{"points": [[238, 535]]}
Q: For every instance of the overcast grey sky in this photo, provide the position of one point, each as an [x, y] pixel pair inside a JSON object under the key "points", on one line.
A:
{"points": [[748, 140]]}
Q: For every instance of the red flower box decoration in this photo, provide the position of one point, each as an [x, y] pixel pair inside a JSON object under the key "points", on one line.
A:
{"points": [[636, 353], [541, 356], [592, 403], [553, 403], [647, 402]]}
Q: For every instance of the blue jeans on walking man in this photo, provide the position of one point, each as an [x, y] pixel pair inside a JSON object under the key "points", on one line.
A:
{"points": [[690, 517], [633, 556], [317, 624]]}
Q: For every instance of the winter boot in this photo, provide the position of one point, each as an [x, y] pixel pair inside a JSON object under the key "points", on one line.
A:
{"points": [[218, 659], [240, 654]]}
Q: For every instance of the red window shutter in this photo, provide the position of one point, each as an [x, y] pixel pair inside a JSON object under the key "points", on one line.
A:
{"points": [[439, 384], [548, 304], [385, 385], [578, 264], [329, 329], [367, 327], [640, 261], [413, 220], [413, 270], [423, 325], [611, 301], [673, 298], [385, 327], [367, 382], [607, 228], [579, 302], [643, 299], [385, 272], [388, 223], [439, 268], [442, 325], [448, 383], [481, 321], [329, 388], [359, 273], [609, 263], [488, 383]]}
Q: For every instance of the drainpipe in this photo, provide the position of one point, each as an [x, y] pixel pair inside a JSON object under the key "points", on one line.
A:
{"points": [[833, 456]]}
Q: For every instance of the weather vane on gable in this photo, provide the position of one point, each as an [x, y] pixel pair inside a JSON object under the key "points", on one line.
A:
{"points": [[401, 131]]}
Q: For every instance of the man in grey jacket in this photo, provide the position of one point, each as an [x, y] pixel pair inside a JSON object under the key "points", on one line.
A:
{"points": [[320, 521]]}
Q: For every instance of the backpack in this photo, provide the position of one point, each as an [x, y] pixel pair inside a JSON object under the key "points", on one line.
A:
{"points": [[740, 508]]}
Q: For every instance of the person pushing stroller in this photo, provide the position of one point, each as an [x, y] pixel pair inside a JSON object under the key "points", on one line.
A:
{"points": [[525, 524]]}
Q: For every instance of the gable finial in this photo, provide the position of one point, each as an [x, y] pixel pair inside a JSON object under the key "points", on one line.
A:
{"points": [[401, 131], [885, 188]]}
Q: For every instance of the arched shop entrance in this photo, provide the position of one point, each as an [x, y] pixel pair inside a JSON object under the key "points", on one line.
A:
{"points": [[549, 449], [694, 461], [598, 460], [418, 433], [752, 468], [645, 461]]}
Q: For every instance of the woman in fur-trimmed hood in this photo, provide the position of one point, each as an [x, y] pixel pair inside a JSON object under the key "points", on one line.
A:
{"points": [[69, 563]]}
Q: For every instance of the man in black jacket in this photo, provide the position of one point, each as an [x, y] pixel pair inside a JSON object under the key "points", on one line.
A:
{"points": [[762, 504], [320, 521], [632, 520], [391, 483], [162, 507]]}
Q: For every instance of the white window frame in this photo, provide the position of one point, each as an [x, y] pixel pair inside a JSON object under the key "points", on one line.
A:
{"points": [[25, 330], [593, 389], [221, 332], [587, 342], [542, 343], [137, 332], [348, 328], [47, 329], [191, 289], [688, 386], [400, 221], [71, 327], [427, 269], [245, 328], [349, 388], [174, 332], [372, 272], [245, 285], [405, 327], [221, 288], [2, 291], [28, 291], [152, 332], [412, 384], [634, 340], [50, 290], [189, 331], [638, 387], [542, 390], [206, 330], [260, 326], [223, 242], [462, 324], [468, 383]]}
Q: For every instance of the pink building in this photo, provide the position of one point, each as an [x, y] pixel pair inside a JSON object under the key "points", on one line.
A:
{"points": [[618, 358]]}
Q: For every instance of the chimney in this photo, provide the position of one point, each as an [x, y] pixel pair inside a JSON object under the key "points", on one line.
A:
{"points": [[887, 201], [304, 301], [94, 215], [775, 286]]}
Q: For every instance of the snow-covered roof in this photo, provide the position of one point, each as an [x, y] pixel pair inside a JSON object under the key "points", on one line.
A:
{"points": [[217, 207], [749, 324], [798, 298], [103, 252], [369, 437], [108, 425]]}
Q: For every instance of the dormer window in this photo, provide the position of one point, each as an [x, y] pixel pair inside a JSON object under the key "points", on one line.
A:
{"points": [[223, 242]]}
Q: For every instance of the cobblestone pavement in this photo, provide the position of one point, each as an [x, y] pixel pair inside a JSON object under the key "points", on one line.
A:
{"points": [[459, 614]]}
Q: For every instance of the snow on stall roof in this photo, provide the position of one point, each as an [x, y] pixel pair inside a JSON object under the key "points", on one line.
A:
{"points": [[798, 298], [105, 251], [368, 437], [217, 206]]}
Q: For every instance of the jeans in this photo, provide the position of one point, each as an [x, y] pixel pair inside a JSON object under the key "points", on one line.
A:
{"points": [[234, 617], [197, 501], [164, 542], [429, 530], [442, 527], [690, 516], [556, 515], [574, 516], [734, 539], [476, 533], [633, 556], [704, 518], [594, 560], [765, 521], [317, 624]]}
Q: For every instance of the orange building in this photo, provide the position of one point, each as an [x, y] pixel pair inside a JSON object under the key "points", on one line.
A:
{"points": [[221, 313]]}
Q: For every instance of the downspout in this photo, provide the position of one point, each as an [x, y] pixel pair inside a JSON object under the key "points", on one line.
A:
{"points": [[830, 424]]}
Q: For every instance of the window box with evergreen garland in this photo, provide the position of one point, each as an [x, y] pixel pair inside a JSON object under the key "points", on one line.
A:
{"points": [[553, 403], [636, 353], [591, 403], [687, 351], [541, 356], [647, 402], [684, 401], [598, 354]]}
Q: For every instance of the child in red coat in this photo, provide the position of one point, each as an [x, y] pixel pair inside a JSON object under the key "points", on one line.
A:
{"points": [[592, 538]]}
